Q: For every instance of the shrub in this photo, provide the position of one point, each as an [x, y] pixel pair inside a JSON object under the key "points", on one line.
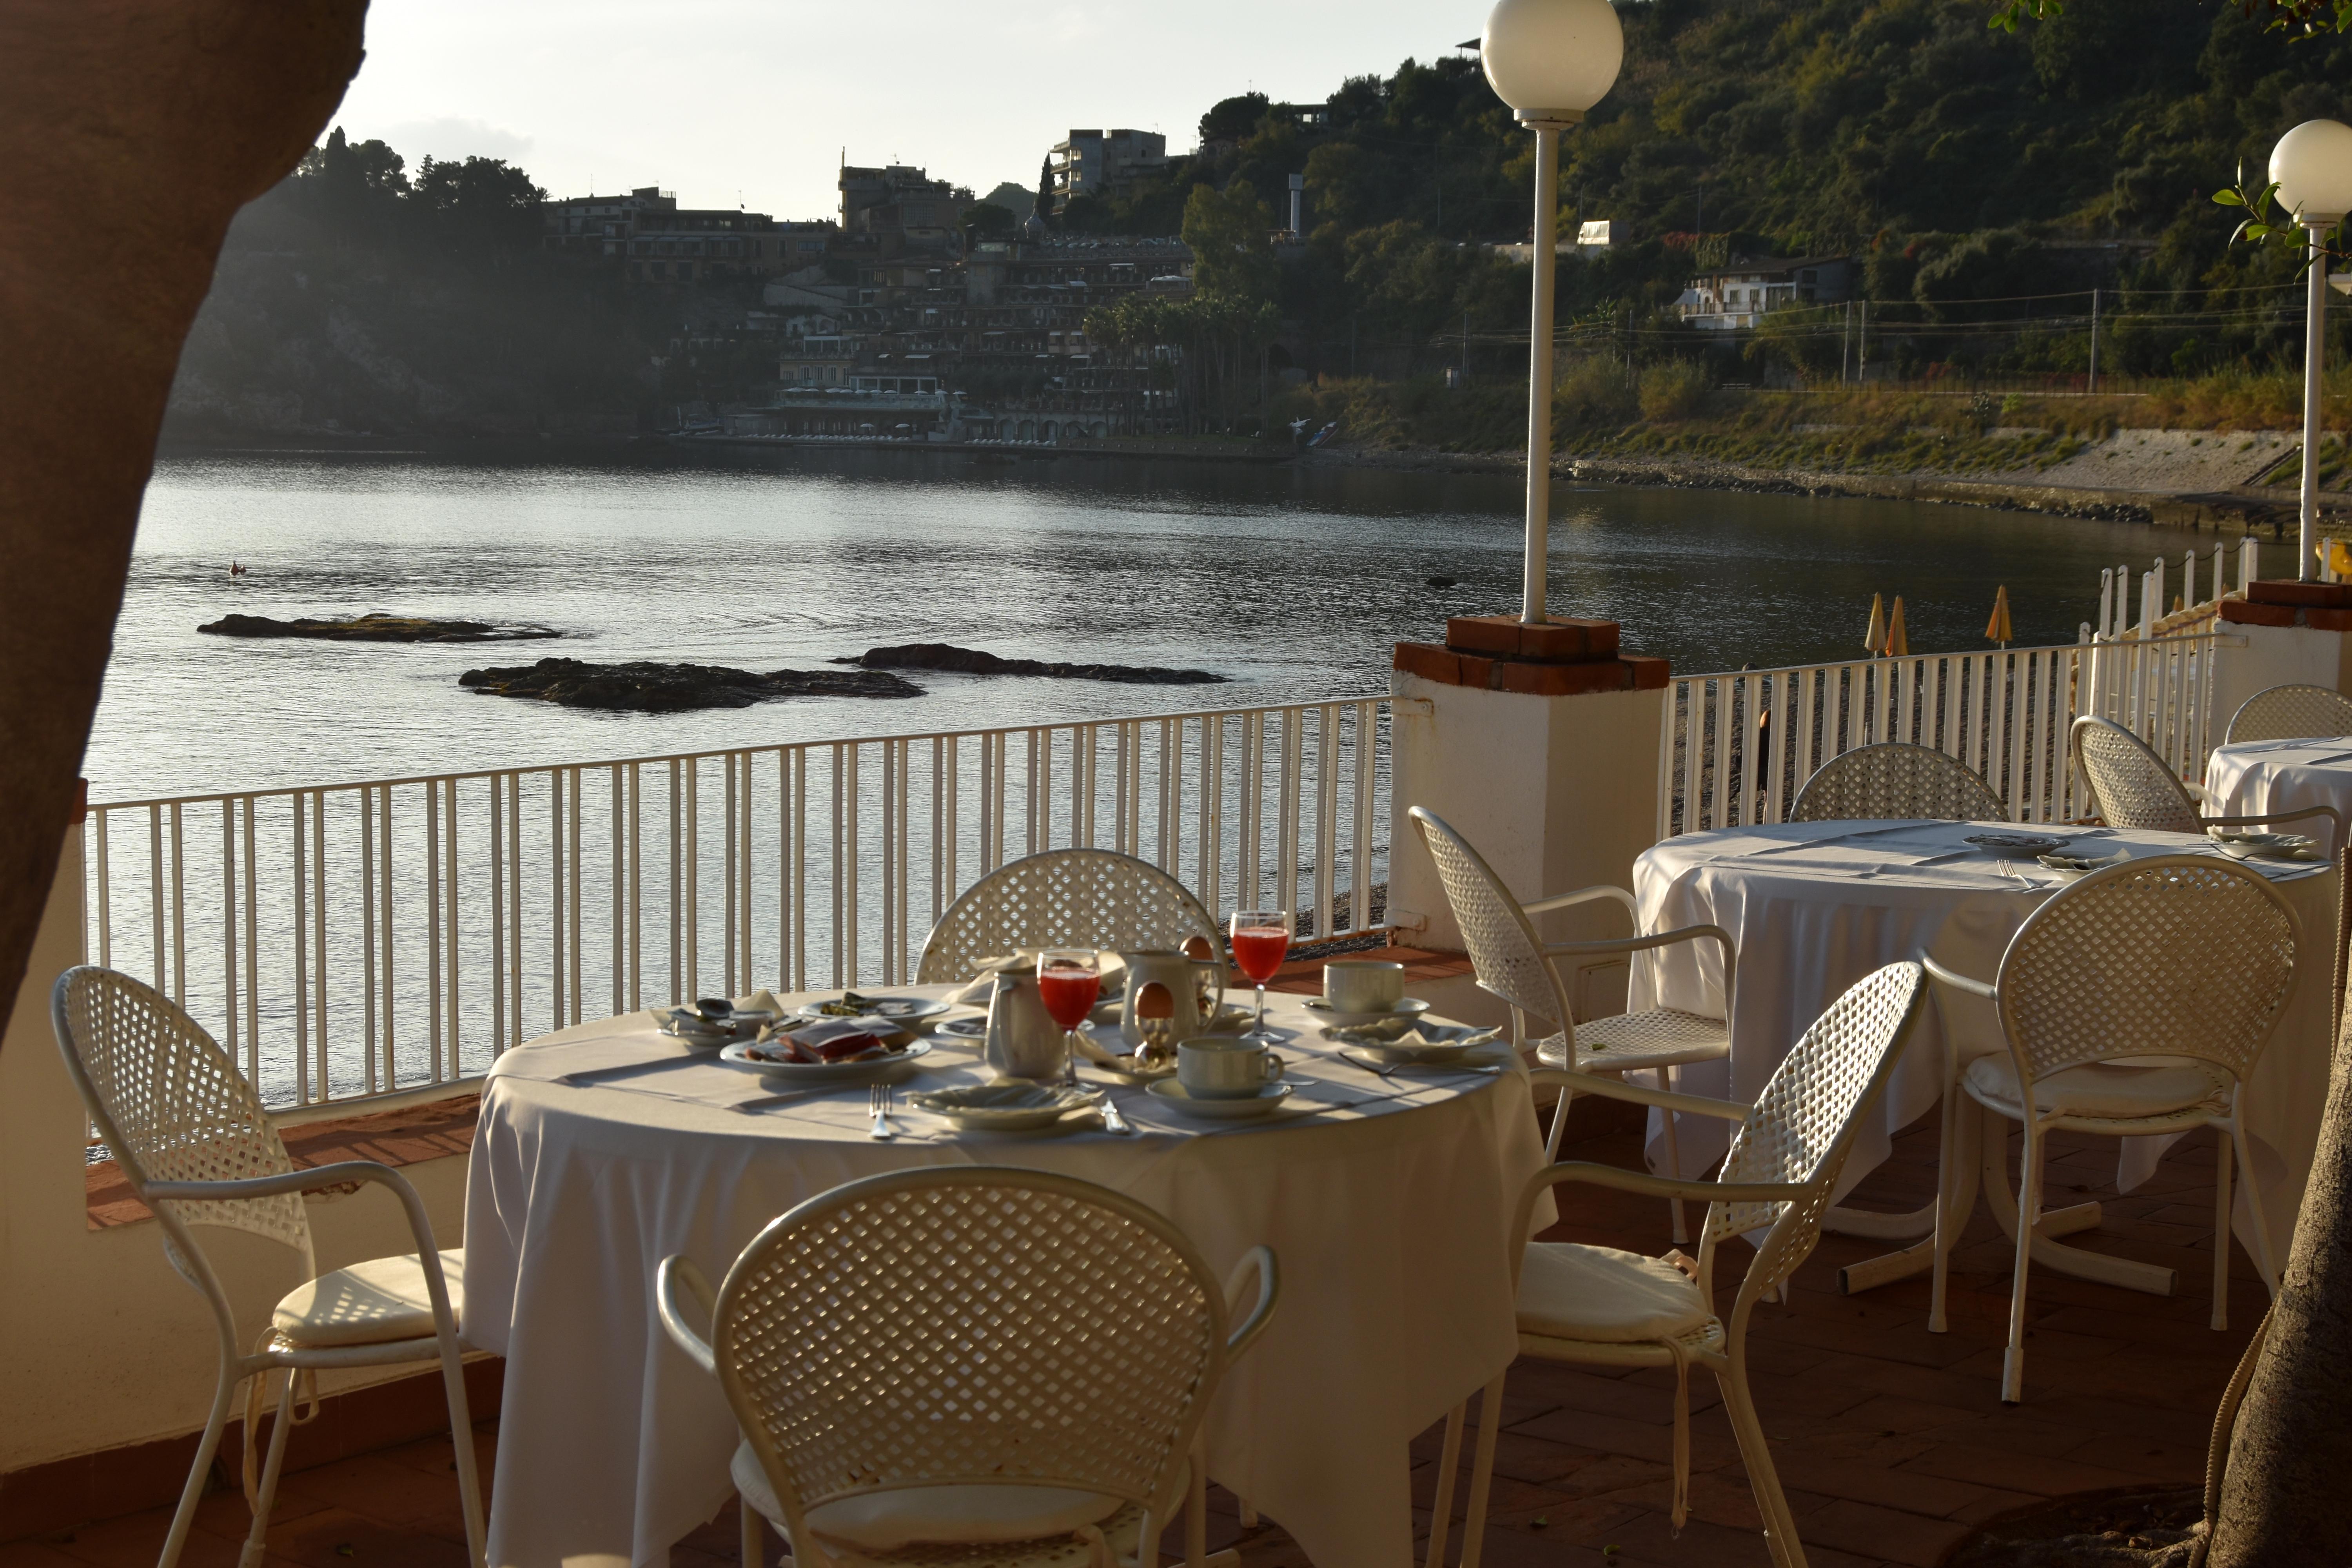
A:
{"points": [[1676, 390]]}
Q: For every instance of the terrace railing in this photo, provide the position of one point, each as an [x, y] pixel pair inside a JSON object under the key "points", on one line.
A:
{"points": [[362, 938], [1737, 747]]}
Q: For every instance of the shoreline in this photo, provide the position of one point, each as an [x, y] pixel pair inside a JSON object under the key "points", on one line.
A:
{"points": [[2269, 510]]}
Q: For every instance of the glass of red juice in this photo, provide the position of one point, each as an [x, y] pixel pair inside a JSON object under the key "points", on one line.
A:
{"points": [[1069, 979], [1259, 939]]}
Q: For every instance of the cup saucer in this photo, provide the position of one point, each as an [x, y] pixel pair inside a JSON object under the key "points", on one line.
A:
{"points": [[1234, 1108], [1406, 1008]]}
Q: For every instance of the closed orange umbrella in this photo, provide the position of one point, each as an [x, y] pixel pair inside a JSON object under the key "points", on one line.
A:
{"points": [[1897, 645], [1997, 629], [1875, 638]]}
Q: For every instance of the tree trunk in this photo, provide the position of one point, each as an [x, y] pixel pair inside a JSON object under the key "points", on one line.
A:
{"points": [[132, 130], [2283, 1495]]}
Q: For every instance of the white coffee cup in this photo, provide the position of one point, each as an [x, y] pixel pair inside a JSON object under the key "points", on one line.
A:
{"points": [[1219, 1067], [1363, 985]]}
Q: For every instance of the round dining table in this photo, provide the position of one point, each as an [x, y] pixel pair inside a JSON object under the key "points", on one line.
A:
{"points": [[608, 1146], [2259, 778], [1812, 907]]}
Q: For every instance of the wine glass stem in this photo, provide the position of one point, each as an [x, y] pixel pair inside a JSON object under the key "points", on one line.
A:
{"points": [[1260, 1028], [1070, 1057]]}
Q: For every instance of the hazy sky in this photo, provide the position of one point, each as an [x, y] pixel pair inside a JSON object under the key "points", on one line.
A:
{"points": [[713, 97]]}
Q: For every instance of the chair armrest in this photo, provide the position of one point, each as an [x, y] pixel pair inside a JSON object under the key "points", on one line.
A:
{"points": [[1648, 1186], [679, 1270], [1260, 1261], [1614, 1089], [1662, 939], [2335, 820], [1955, 978], [1585, 896], [412, 1204]]}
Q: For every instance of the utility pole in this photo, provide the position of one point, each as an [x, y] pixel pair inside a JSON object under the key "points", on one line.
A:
{"points": [[1845, 347], [1862, 357], [2094, 340], [1465, 348]]}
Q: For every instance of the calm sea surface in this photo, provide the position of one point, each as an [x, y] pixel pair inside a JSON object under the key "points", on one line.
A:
{"points": [[1292, 582]]}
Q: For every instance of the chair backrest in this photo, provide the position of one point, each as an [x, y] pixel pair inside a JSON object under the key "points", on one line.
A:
{"points": [[170, 1107], [2290, 713], [974, 1325], [1803, 1123], [2130, 784], [1894, 780], [1505, 952], [2181, 955], [1063, 898]]}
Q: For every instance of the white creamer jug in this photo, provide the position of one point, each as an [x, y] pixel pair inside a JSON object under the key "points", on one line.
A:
{"points": [[1023, 1039]]}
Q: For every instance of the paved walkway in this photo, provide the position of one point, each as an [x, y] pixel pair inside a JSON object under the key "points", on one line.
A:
{"points": [[1892, 1441]]}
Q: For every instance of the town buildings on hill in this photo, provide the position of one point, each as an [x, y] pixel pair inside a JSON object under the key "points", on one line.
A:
{"points": [[652, 239], [1104, 163], [1732, 296]]}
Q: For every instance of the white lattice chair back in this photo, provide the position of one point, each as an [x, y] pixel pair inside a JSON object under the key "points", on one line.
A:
{"points": [[171, 1106], [2130, 784], [1505, 952], [968, 1326], [1895, 781], [1063, 898], [2176, 955], [1803, 1124], [2291, 714]]}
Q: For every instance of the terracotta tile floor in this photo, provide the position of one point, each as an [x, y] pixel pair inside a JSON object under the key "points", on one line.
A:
{"points": [[1891, 1441]]}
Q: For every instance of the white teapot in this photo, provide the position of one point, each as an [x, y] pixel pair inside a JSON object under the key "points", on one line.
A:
{"points": [[1190, 993], [1023, 1039]]}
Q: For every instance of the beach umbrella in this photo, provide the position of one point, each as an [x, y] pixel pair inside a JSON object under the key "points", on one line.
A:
{"points": [[1997, 629], [1897, 645], [1875, 638]]}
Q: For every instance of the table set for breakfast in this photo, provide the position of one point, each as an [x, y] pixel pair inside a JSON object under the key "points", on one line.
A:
{"points": [[1381, 1183], [1811, 907], [2267, 778]]}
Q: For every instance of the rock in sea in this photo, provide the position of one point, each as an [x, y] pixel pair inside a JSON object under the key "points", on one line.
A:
{"points": [[972, 661], [374, 627], [643, 687]]}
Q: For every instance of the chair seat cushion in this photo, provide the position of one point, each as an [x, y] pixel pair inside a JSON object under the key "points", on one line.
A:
{"points": [[1571, 1292], [887, 1522], [1628, 1042], [2105, 1089], [368, 1304]]}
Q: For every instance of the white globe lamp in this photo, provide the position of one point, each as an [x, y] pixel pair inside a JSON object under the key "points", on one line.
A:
{"points": [[2312, 167], [1551, 60]]}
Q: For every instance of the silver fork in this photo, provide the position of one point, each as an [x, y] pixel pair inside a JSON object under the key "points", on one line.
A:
{"points": [[879, 1101]]}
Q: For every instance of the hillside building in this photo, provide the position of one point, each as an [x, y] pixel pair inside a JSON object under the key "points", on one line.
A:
{"points": [[1099, 163], [1742, 292], [652, 239]]}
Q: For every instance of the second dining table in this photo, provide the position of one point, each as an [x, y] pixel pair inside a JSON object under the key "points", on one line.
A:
{"points": [[605, 1147], [1812, 907]]}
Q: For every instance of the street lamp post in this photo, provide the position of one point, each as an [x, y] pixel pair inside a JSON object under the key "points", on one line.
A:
{"points": [[2312, 165], [1551, 60]]}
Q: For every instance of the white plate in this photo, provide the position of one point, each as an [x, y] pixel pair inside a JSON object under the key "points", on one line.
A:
{"points": [[2015, 845], [1409, 1007], [2242, 844], [822, 1072], [1450, 1041], [906, 1010], [679, 1024], [972, 1029], [2083, 865], [1008, 1105], [1233, 1108]]}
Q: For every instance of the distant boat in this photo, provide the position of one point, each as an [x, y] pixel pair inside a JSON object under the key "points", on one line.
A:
{"points": [[235, 569]]}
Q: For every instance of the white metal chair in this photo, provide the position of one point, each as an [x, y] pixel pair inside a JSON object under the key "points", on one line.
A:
{"points": [[1601, 1307], [198, 1149], [2135, 1002], [2290, 713], [1514, 963], [1895, 781], [992, 1367], [1063, 898], [2132, 787]]}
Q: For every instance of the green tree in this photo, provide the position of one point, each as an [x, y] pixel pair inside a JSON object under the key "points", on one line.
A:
{"points": [[1230, 232]]}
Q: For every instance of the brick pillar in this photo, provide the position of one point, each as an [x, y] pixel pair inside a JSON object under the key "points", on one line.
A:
{"points": [[1540, 744]]}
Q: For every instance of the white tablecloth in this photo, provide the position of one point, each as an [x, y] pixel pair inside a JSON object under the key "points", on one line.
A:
{"points": [[1813, 907], [1387, 1214], [2259, 776]]}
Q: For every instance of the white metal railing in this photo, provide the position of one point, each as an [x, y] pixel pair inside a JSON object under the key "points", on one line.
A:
{"points": [[361, 939], [1738, 746]]}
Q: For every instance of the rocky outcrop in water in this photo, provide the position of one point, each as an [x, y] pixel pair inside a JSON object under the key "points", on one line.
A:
{"points": [[972, 661], [374, 627], [642, 687]]}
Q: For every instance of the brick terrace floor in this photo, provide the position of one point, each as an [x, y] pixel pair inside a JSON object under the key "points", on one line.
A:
{"points": [[1892, 1441]]}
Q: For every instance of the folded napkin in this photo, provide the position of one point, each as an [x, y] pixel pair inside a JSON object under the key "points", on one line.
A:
{"points": [[1406, 1032], [976, 992]]}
